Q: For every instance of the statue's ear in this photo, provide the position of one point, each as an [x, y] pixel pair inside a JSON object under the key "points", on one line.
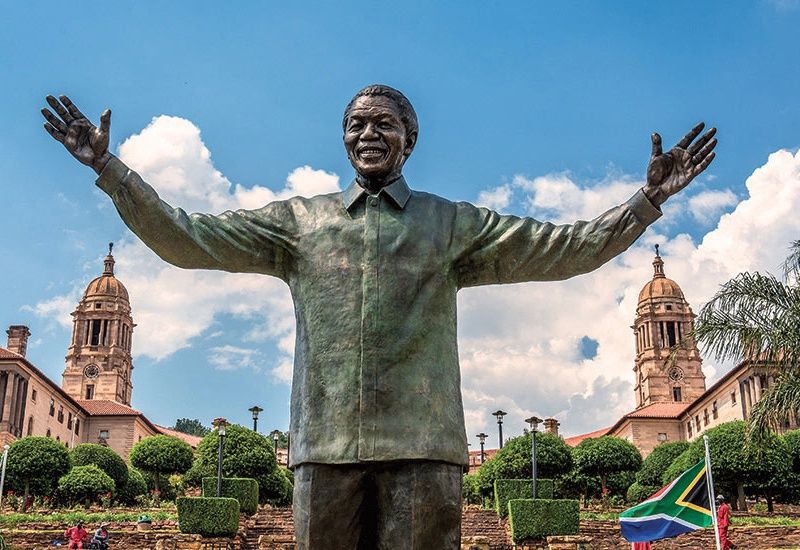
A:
{"points": [[411, 141]]}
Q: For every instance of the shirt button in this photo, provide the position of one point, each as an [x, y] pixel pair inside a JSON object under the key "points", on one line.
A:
{"points": [[373, 201]]}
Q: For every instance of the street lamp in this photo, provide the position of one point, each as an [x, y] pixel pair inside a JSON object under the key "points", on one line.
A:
{"points": [[482, 437], [219, 424], [3, 472], [255, 409], [500, 414], [534, 422], [276, 435]]}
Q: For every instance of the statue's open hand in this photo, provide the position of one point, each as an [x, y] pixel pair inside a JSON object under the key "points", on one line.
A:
{"points": [[85, 141], [670, 172]]}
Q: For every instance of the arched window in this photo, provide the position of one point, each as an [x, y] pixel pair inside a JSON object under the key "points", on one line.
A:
{"points": [[30, 425]]}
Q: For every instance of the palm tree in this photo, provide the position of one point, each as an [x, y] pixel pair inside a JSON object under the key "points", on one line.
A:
{"points": [[757, 316]]}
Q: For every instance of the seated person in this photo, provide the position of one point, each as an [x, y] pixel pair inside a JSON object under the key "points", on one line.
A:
{"points": [[102, 535], [75, 536]]}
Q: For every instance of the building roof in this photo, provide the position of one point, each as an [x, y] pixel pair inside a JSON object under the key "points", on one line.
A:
{"points": [[576, 439], [105, 407], [6, 354], [192, 440], [659, 410], [106, 285]]}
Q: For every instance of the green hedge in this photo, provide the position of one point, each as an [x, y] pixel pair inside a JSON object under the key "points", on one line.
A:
{"points": [[535, 519], [210, 517], [509, 489], [243, 489]]}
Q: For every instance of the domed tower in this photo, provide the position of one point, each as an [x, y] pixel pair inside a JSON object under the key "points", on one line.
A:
{"points": [[663, 320], [98, 362]]}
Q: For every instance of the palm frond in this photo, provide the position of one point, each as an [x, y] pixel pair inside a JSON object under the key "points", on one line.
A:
{"points": [[778, 406], [791, 267], [752, 316]]}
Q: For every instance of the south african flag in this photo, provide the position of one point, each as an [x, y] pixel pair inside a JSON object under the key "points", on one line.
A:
{"points": [[678, 508]]}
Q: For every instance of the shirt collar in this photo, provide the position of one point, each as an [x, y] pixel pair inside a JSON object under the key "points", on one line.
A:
{"points": [[398, 191]]}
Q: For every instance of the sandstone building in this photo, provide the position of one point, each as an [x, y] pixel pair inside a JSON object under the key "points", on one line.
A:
{"points": [[672, 400], [92, 404]]}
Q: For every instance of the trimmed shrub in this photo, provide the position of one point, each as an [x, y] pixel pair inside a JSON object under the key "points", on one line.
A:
{"points": [[606, 456], [208, 516], [247, 454], [243, 489], [510, 489], [84, 484], [637, 493], [102, 457], [35, 464], [658, 461], [535, 519], [134, 487], [161, 455], [470, 489]]}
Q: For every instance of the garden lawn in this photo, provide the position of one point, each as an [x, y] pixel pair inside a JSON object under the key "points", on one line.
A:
{"points": [[71, 517]]}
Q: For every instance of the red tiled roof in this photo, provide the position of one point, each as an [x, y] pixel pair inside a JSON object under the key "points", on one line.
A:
{"points": [[575, 439], [659, 410], [6, 354], [104, 407], [192, 440]]}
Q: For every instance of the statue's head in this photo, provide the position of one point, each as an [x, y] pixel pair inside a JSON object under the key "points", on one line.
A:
{"points": [[380, 131]]}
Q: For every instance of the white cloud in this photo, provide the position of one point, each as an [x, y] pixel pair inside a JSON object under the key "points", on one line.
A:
{"points": [[497, 198], [526, 358], [230, 357], [707, 206], [171, 305]]}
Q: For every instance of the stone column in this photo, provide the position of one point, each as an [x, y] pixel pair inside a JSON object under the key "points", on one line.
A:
{"points": [[11, 388]]}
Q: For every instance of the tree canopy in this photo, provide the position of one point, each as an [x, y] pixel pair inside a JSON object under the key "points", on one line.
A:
{"points": [[102, 457], [657, 462], [245, 454], [36, 463], [161, 455], [605, 456], [84, 484], [191, 426]]}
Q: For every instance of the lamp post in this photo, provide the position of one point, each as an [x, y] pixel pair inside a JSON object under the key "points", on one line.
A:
{"points": [[534, 422], [499, 414], [219, 424], [255, 409], [276, 435], [3, 473], [482, 438]]}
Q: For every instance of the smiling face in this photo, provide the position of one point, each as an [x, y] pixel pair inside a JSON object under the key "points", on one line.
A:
{"points": [[376, 139]]}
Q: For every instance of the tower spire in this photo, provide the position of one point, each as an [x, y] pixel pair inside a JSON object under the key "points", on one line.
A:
{"points": [[658, 266], [109, 261]]}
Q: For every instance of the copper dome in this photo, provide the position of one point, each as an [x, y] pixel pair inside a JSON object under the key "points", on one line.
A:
{"points": [[660, 286], [106, 285]]}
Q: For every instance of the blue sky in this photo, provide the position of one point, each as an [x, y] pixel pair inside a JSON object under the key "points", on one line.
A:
{"points": [[530, 107]]}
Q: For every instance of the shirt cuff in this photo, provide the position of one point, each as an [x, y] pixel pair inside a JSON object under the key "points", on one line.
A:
{"points": [[112, 175], [641, 207]]}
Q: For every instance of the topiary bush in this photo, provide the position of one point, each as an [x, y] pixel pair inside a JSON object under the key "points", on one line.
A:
{"points": [[135, 486], [161, 455], [102, 457], [657, 462], [245, 490], [510, 489], [535, 519], [470, 489], [606, 456], [208, 516], [35, 464], [84, 484], [246, 454], [638, 493], [513, 461]]}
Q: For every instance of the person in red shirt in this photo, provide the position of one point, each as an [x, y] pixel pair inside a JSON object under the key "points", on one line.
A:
{"points": [[75, 536], [642, 546], [723, 521]]}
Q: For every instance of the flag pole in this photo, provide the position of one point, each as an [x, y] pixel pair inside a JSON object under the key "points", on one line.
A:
{"points": [[710, 486]]}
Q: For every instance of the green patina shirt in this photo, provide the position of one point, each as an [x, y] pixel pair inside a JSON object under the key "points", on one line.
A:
{"points": [[374, 282]]}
